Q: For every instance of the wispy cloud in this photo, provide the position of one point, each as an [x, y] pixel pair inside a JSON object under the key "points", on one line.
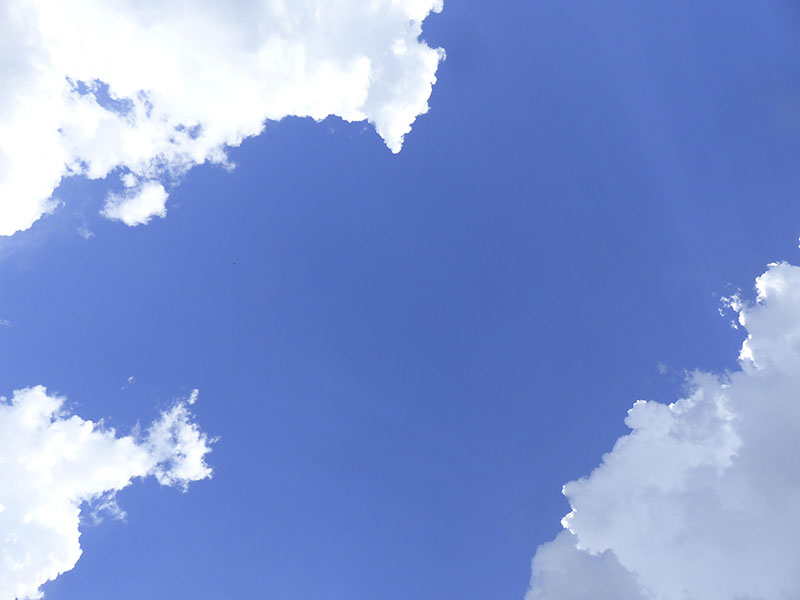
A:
{"points": [[85, 232], [700, 499]]}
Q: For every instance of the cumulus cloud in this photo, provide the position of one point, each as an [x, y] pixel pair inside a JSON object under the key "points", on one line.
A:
{"points": [[701, 501], [137, 206], [53, 464], [147, 89]]}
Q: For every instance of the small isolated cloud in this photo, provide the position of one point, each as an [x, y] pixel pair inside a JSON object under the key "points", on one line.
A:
{"points": [[701, 501], [54, 464], [138, 205], [147, 90], [5, 323], [85, 232]]}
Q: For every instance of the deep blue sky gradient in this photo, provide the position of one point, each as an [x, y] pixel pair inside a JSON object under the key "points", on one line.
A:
{"points": [[405, 357]]}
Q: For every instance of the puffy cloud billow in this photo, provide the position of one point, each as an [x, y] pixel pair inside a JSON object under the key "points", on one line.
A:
{"points": [[701, 501], [54, 464], [147, 89]]}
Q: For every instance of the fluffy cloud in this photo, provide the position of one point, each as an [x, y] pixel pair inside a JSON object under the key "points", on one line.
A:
{"points": [[146, 89], [137, 207], [701, 501], [52, 464]]}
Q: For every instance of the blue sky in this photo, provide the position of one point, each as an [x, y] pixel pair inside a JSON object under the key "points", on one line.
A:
{"points": [[405, 356]]}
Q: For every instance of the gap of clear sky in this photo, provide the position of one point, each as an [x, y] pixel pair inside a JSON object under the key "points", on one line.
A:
{"points": [[406, 356]]}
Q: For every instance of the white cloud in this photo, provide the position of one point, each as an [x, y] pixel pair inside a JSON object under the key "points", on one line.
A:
{"points": [[147, 89], [178, 447], [53, 463], [137, 205], [701, 501]]}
